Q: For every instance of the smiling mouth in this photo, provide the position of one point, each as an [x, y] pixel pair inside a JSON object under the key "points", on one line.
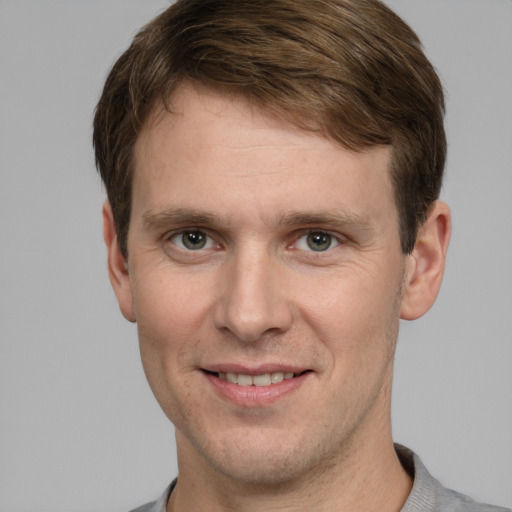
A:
{"points": [[265, 379]]}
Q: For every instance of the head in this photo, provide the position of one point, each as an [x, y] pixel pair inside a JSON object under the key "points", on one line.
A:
{"points": [[272, 169], [350, 70]]}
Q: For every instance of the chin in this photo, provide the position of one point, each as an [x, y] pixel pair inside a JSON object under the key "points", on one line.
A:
{"points": [[264, 462], [260, 470]]}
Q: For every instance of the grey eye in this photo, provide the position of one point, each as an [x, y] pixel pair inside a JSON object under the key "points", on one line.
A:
{"points": [[192, 240], [317, 241]]}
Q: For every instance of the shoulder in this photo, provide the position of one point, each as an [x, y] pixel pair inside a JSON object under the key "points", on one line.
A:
{"points": [[429, 495], [148, 507], [159, 505], [456, 502]]}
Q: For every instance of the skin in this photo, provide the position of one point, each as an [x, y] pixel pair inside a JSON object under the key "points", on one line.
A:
{"points": [[257, 296]]}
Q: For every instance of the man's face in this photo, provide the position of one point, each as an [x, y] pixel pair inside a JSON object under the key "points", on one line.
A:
{"points": [[256, 251]]}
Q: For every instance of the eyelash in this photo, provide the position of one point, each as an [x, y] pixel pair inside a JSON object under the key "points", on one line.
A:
{"points": [[334, 239], [210, 240]]}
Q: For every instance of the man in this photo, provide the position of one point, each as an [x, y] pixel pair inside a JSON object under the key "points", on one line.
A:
{"points": [[273, 171]]}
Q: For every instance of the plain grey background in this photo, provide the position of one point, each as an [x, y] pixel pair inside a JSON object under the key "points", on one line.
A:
{"points": [[79, 428]]}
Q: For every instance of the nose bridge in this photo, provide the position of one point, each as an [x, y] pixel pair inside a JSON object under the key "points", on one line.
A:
{"points": [[252, 302]]}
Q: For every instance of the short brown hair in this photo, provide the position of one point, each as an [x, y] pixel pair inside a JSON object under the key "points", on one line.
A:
{"points": [[351, 70]]}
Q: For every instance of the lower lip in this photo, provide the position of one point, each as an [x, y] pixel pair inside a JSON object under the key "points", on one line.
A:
{"points": [[255, 396]]}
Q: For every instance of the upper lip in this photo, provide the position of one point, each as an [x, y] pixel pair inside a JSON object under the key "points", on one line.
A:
{"points": [[254, 370]]}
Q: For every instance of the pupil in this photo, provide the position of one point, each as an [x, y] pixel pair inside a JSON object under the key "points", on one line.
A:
{"points": [[194, 240], [319, 241]]}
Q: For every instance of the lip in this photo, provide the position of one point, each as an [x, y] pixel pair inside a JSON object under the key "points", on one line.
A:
{"points": [[254, 370], [255, 396]]}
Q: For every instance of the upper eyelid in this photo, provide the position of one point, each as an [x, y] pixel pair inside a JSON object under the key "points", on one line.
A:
{"points": [[335, 237], [179, 231], [334, 234], [221, 240], [167, 237]]}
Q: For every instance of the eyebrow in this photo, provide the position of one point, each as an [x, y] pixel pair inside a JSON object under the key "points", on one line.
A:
{"points": [[338, 217], [174, 215], [193, 217]]}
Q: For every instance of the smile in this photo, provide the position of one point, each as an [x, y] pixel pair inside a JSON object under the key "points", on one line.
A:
{"points": [[259, 388], [265, 379]]}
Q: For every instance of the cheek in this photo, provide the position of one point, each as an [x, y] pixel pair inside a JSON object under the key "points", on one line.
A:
{"points": [[171, 314], [355, 315], [169, 322], [172, 302]]}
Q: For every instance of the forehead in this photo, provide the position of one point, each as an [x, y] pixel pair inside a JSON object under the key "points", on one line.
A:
{"points": [[222, 148]]}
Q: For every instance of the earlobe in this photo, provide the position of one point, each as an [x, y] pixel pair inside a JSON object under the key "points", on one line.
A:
{"points": [[426, 263], [117, 265]]}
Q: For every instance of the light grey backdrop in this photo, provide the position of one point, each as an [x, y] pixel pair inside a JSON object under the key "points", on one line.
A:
{"points": [[79, 428]]}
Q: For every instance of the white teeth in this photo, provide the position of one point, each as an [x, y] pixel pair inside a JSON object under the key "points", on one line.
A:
{"points": [[265, 379], [244, 380], [277, 377], [262, 380], [232, 377]]}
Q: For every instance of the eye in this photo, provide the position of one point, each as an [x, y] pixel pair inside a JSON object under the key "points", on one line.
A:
{"points": [[192, 240], [317, 241]]}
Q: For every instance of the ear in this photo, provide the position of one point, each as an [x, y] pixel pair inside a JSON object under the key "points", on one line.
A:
{"points": [[117, 265], [425, 265]]}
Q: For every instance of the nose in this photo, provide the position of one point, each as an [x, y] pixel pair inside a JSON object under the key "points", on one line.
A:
{"points": [[253, 301]]}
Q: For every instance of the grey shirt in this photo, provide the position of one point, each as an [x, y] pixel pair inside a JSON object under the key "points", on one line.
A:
{"points": [[427, 494]]}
